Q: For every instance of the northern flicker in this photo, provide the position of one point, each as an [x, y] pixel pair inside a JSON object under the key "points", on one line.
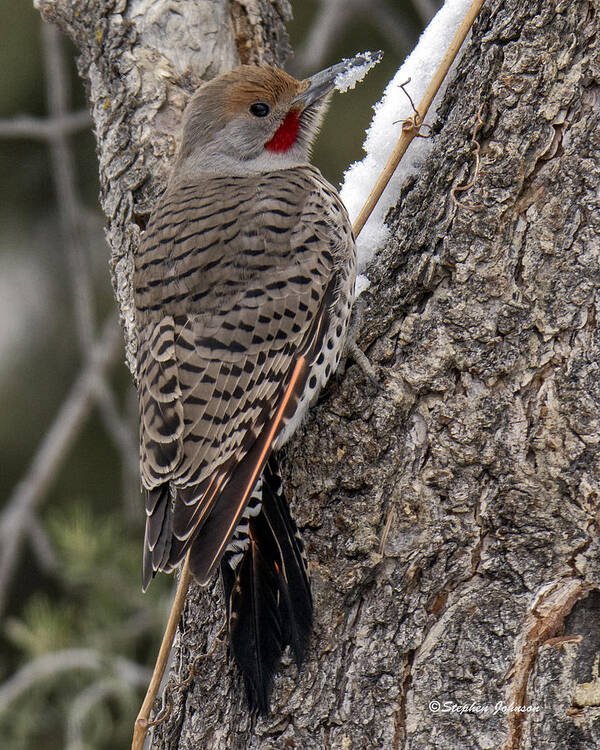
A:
{"points": [[244, 284]]}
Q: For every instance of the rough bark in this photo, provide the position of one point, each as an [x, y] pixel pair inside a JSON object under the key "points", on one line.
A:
{"points": [[475, 471]]}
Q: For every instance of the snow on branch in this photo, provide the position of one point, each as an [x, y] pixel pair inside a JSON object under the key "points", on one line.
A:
{"points": [[384, 131]]}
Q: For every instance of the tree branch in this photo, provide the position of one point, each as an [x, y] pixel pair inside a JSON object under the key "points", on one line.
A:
{"points": [[333, 16], [44, 128], [52, 664], [51, 454], [426, 9], [64, 179]]}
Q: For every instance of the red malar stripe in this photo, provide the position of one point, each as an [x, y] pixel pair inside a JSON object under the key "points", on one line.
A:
{"points": [[286, 134]]}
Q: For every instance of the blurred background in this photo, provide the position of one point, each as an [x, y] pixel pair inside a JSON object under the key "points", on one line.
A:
{"points": [[77, 636]]}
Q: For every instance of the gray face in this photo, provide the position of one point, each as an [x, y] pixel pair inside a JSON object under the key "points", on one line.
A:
{"points": [[244, 137], [238, 147], [230, 121]]}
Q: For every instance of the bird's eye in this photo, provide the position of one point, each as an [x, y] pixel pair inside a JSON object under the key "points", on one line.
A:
{"points": [[259, 109]]}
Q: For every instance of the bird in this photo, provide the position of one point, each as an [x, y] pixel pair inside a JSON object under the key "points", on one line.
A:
{"points": [[243, 287]]}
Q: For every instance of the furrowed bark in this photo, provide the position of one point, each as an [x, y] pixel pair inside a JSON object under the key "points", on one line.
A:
{"points": [[480, 454], [483, 444]]}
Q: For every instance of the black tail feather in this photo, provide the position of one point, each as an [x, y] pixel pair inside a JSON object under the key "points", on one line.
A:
{"points": [[269, 603]]}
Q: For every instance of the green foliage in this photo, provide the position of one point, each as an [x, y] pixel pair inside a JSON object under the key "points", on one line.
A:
{"points": [[98, 608], [43, 626]]}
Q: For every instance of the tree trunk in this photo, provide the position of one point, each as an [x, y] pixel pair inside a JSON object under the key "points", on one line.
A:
{"points": [[451, 518]]}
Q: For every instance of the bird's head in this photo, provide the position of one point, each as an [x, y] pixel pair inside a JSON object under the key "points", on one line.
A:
{"points": [[257, 118]]}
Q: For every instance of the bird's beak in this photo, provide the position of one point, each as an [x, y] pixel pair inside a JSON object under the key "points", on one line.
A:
{"points": [[342, 76]]}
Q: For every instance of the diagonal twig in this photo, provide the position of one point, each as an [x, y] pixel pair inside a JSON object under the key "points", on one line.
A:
{"points": [[335, 15], [398, 34], [30, 491], [330, 18], [41, 544], [408, 133], [117, 427], [142, 722], [426, 9]]}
